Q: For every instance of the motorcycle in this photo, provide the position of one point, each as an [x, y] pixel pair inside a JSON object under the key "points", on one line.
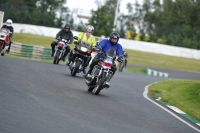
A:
{"points": [[60, 50], [4, 40], [81, 55], [121, 65], [101, 73]]}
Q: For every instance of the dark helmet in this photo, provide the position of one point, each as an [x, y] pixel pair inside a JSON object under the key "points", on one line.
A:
{"points": [[67, 26], [114, 35]]}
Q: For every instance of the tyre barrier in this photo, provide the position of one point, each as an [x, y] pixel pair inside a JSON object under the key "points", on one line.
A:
{"points": [[30, 51]]}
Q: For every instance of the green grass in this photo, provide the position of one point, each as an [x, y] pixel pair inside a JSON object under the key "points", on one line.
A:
{"points": [[184, 94], [33, 39], [163, 61], [135, 57]]}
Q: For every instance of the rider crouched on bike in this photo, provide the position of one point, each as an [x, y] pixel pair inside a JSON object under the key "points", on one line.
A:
{"points": [[105, 45], [66, 34], [8, 26], [86, 38]]}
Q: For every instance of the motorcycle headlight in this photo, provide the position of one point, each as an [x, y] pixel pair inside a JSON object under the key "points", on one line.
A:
{"points": [[83, 49]]}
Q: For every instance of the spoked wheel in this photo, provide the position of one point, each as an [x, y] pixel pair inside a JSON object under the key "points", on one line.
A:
{"points": [[56, 58], [75, 69], [99, 85]]}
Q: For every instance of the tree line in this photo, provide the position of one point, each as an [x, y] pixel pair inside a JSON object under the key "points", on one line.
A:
{"points": [[171, 22], [50, 13]]}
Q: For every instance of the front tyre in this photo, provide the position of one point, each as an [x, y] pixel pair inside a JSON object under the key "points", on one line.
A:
{"points": [[56, 58], [99, 85], [76, 67]]}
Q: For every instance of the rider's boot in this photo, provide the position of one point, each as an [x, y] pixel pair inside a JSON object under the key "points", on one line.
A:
{"points": [[52, 54], [107, 84]]}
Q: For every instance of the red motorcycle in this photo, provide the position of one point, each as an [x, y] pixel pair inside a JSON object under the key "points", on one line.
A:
{"points": [[4, 40]]}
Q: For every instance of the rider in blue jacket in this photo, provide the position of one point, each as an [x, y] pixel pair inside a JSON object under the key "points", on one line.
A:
{"points": [[105, 45]]}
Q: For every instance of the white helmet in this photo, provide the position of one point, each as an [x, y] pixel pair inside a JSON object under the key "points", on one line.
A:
{"points": [[9, 22]]}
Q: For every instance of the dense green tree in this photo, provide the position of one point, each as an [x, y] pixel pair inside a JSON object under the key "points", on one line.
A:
{"points": [[37, 12], [102, 22]]}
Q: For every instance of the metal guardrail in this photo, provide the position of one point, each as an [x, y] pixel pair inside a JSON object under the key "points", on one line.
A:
{"points": [[30, 51]]}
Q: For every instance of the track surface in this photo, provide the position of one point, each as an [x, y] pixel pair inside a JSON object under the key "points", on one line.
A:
{"points": [[40, 97]]}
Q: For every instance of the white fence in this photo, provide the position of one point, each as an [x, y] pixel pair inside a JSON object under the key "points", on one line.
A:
{"points": [[1, 18], [127, 44]]}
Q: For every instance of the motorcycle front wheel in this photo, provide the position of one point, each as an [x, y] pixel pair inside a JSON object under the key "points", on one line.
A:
{"points": [[56, 58], [76, 67], [99, 85]]}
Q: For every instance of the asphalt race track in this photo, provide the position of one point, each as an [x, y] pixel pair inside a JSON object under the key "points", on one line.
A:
{"points": [[40, 97]]}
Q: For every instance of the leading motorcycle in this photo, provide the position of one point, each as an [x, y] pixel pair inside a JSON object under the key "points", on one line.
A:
{"points": [[81, 55], [60, 50], [4, 40], [101, 73]]}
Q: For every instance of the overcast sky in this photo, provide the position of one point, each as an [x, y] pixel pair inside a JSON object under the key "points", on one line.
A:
{"points": [[85, 6], [90, 4]]}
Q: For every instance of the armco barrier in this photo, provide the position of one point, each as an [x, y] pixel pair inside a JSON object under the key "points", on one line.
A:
{"points": [[30, 51]]}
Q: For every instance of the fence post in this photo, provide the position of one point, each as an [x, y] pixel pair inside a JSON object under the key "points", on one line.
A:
{"points": [[1, 18]]}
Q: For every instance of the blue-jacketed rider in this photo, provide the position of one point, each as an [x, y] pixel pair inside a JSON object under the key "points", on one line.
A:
{"points": [[105, 45]]}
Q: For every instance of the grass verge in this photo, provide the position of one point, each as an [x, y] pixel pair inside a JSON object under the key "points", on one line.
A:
{"points": [[33, 39], [183, 94]]}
